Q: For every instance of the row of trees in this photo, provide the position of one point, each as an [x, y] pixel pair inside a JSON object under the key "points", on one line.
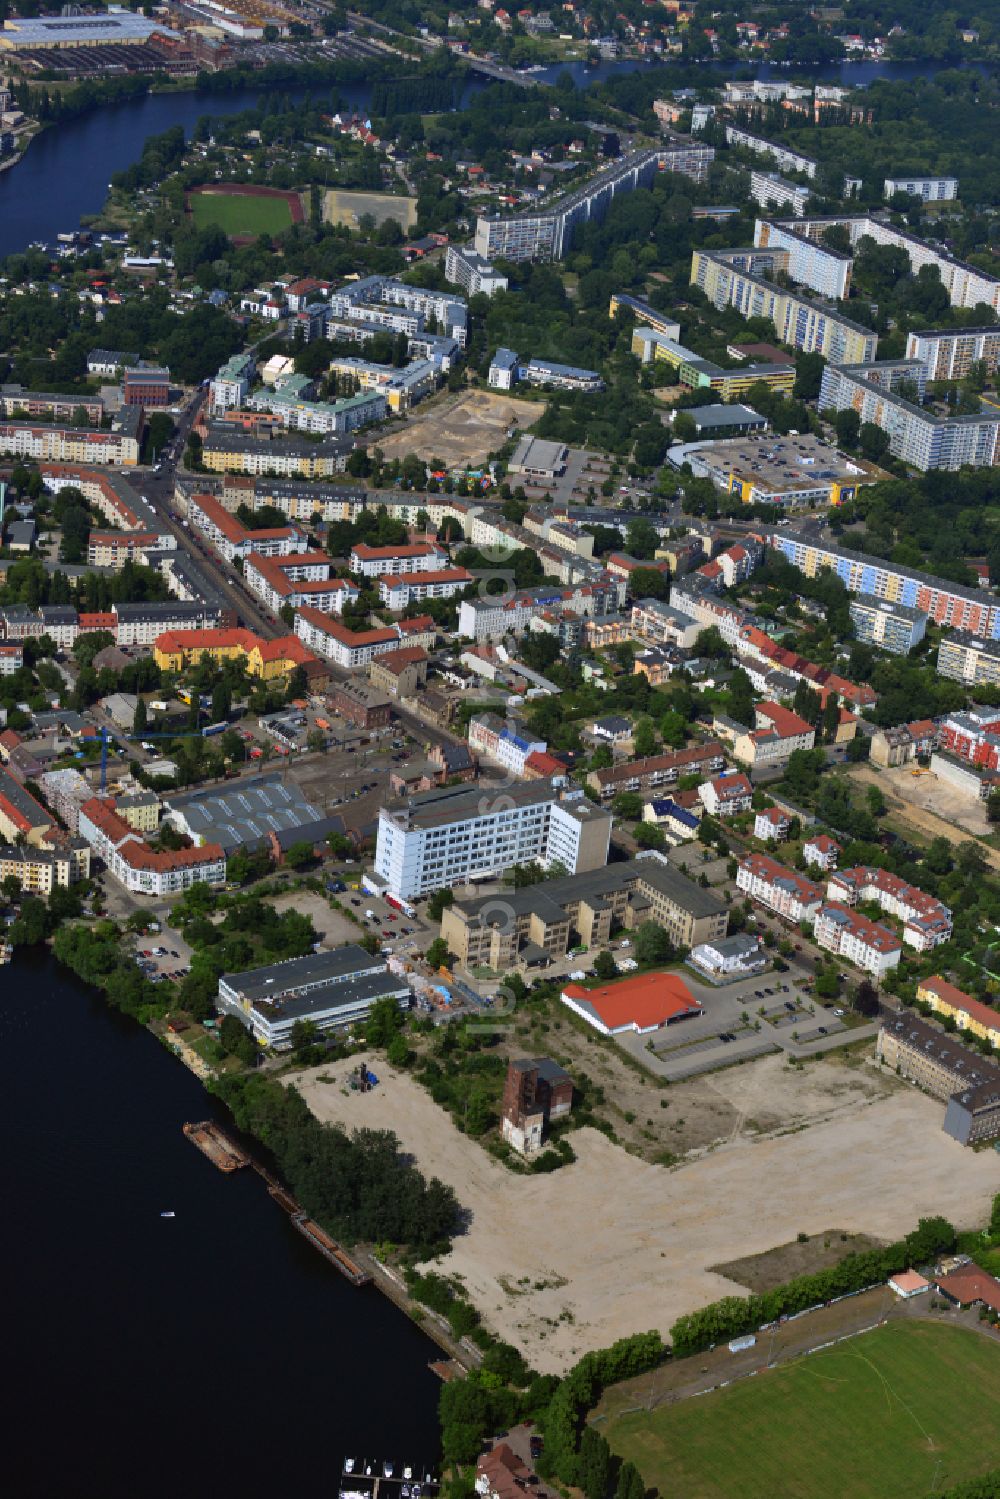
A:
{"points": [[734, 1316]]}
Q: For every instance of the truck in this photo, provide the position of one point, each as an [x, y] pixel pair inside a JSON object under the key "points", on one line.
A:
{"points": [[399, 904], [159, 706]]}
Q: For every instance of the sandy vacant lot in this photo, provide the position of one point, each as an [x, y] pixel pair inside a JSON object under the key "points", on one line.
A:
{"points": [[930, 807], [612, 1245], [462, 429], [343, 207]]}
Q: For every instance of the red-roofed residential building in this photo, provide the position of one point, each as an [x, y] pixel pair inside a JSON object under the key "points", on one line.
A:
{"points": [[868, 944], [772, 825], [926, 920], [353, 649], [401, 589], [296, 579], [232, 539], [379, 562], [141, 869], [778, 733], [645, 1003], [727, 794], [781, 889], [541, 766], [968, 1014], [821, 851], [21, 816], [969, 1286]]}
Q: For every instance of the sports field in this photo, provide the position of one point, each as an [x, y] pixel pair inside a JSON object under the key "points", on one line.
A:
{"points": [[241, 214], [911, 1408]]}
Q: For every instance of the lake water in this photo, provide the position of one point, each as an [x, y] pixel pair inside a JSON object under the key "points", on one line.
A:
{"points": [[214, 1352], [66, 171]]}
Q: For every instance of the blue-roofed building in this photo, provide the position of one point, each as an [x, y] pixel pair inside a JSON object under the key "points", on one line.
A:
{"points": [[492, 739], [559, 376], [503, 370], [676, 823]]}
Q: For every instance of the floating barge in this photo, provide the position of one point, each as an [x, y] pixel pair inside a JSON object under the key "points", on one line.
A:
{"points": [[216, 1144], [330, 1249]]}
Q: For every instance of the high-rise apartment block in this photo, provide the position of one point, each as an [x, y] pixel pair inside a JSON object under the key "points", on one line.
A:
{"points": [[547, 233], [950, 353], [916, 435], [894, 627], [930, 189], [803, 324], [945, 603]]}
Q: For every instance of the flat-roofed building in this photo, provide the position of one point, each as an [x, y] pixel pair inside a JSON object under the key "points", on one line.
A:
{"points": [[331, 989], [928, 189], [893, 626], [455, 835], [967, 658], [537, 925]]}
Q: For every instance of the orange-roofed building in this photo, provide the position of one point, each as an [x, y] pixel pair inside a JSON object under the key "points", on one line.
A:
{"points": [[968, 1014], [645, 1003], [268, 660]]}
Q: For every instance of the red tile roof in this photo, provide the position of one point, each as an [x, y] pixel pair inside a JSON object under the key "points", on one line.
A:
{"points": [[648, 999], [959, 1000], [971, 1284]]}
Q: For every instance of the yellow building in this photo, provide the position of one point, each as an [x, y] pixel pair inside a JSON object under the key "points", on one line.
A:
{"points": [[968, 1014], [268, 660]]}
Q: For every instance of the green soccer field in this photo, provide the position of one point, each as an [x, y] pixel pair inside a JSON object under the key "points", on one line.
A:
{"points": [[238, 215], [911, 1408]]}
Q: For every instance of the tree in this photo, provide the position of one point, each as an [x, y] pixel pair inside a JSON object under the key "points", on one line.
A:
{"points": [[299, 855], [875, 801], [847, 425], [808, 376], [651, 945], [222, 702], [865, 999], [315, 741], [628, 805], [630, 1483], [439, 903], [438, 955], [605, 967], [237, 1040], [873, 441], [644, 738], [140, 717], [594, 1464]]}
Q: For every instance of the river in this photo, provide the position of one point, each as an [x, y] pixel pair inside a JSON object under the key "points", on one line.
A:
{"points": [[66, 170], [213, 1352]]}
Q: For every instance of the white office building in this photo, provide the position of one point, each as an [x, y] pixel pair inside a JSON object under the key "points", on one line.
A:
{"points": [[460, 834]]}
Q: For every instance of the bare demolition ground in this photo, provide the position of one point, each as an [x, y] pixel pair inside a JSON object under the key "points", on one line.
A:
{"points": [[611, 1245], [925, 807], [460, 430]]}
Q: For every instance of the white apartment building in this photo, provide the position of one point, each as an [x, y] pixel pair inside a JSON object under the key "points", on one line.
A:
{"points": [[950, 353], [232, 539], [353, 649], [231, 386], [465, 268], [770, 190], [862, 942], [406, 588], [379, 562], [916, 435], [930, 189], [301, 578], [140, 624], [771, 825], [821, 851], [460, 834], [784, 156], [781, 889], [926, 920], [142, 870], [494, 617], [11, 659], [68, 444], [494, 740], [726, 795]]}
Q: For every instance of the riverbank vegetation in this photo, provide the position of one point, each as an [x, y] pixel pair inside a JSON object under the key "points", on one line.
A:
{"points": [[358, 1187]]}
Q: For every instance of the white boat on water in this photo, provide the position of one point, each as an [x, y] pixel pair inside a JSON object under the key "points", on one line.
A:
{"points": [[168, 1215]]}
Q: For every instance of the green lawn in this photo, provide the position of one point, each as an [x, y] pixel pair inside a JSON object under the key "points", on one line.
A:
{"points": [[907, 1409], [241, 215]]}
